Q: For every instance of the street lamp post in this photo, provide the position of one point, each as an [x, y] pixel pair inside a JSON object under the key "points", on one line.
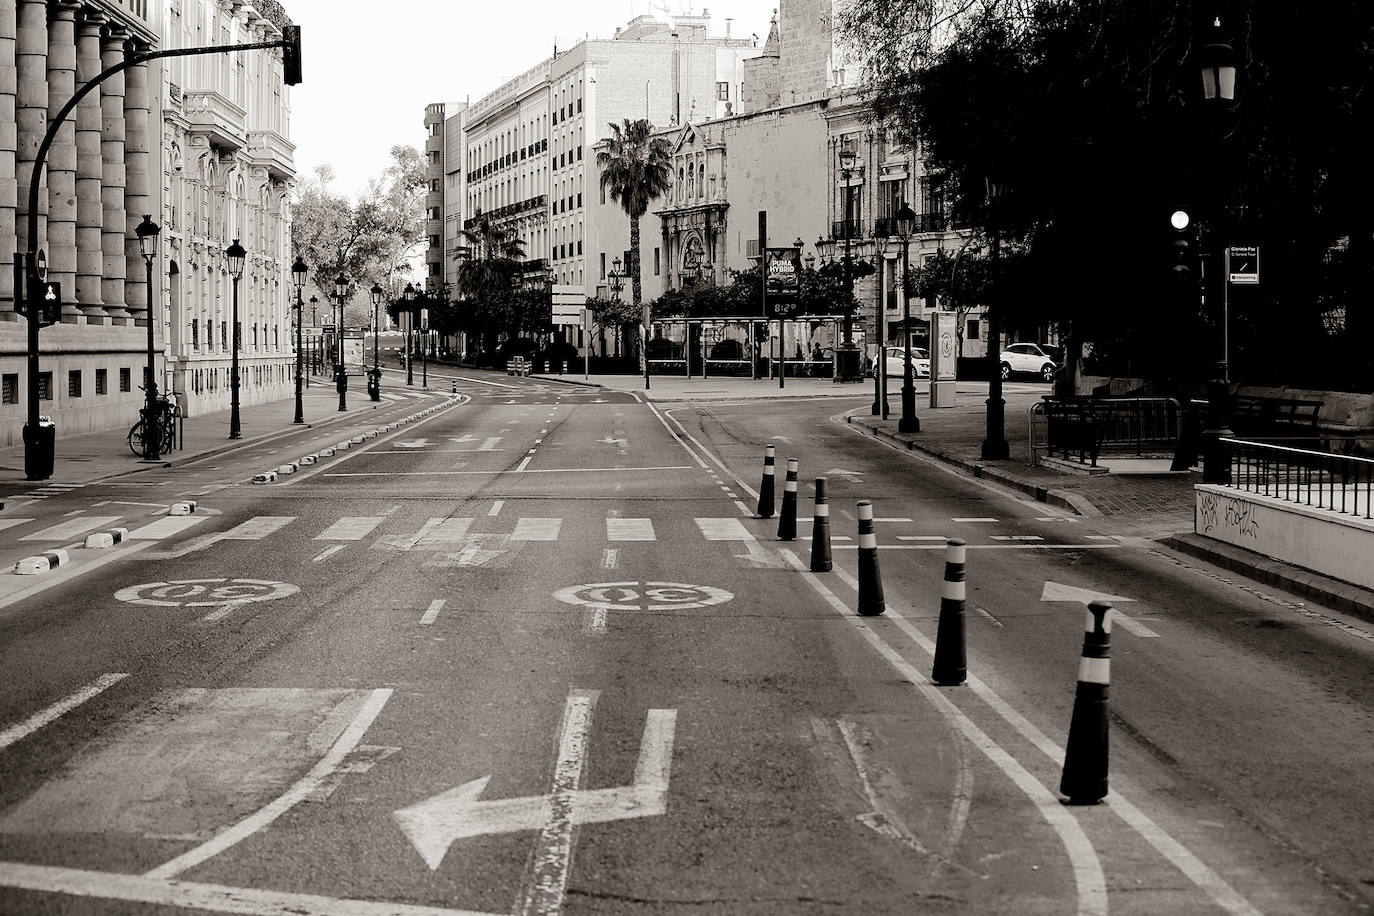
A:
{"points": [[235, 253], [314, 348], [909, 423], [374, 382], [409, 294], [615, 280], [848, 360], [423, 314], [298, 278], [995, 446], [879, 408], [1218, 64], [341, 373], [147, 232]]}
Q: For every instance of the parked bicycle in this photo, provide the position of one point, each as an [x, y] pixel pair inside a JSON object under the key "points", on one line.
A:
{"points": [[165, 427]]}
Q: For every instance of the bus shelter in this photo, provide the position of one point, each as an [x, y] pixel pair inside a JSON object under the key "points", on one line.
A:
{"points": [[746, 346]]}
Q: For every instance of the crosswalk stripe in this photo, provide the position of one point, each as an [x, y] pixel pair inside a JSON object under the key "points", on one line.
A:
{"points": [[446, 533], [630, 529], [11, 522], [351, 528], [258, 527], [70, 529], [722, 529], [537, 529], [166, 527]]}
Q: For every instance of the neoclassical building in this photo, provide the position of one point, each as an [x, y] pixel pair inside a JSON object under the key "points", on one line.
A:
{"points": [[124, 154]]}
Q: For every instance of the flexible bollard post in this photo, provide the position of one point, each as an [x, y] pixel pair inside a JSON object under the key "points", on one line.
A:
{"points": [[951, 665], [766, 488], [1084, 781], [820, 531], [787, 521], [871, 600]]}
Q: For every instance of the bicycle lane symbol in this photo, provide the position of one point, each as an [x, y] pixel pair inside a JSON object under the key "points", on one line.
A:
{"points": [[225, 595], [600, 597]]}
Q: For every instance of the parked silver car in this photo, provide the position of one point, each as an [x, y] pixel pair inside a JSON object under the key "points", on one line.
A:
{"points": [[1027, 358], [895, 359]]}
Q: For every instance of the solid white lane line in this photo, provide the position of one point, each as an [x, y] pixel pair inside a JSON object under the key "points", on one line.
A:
{"points": [[921, 537], [11, 522], [63, 706], [1017, 546], [524, 464], [1087, 869], [195, 895], [298, 792], [1175, 852], [743, 509], [492, 473], [328, 552], [546, 880], [496, 507], [435, 607], [979, 520]]}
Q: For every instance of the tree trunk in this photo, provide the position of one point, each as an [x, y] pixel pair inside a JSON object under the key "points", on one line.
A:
{"points": [[637, 293]]}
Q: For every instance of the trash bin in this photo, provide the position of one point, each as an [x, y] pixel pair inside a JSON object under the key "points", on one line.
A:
{"points": [[40, 446], [847, 363]]}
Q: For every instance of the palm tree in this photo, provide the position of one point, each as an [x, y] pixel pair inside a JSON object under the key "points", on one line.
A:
{"points": [[487, 271], [635, 169]]}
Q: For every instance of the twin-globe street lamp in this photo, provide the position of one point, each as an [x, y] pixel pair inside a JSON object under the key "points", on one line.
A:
{"points": [[235, 253], [298, 270], [147, 232], [340, 371], [409, 295], [848, 356], [906, 225]]}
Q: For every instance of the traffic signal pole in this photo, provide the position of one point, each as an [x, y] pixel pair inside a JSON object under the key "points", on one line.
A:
{"points": [[37, 457]]}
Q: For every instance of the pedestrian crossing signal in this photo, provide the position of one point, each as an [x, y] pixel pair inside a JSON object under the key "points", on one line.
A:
{"points": [[52, 302], [291, 55], [43, 295]]}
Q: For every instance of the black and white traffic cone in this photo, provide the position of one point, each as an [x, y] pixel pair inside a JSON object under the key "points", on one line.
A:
{"points": [[820, 531], [951, 666], [787, 520], [1084, 781], [766, 488], [870, 579]]}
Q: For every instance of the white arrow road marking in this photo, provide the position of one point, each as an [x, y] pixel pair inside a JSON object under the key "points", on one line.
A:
{"points": [[1056, 591], [413, 443], [437, 822]]}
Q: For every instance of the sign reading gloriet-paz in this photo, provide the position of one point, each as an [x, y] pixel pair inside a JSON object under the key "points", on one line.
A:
{"points": [[1242, 265]]}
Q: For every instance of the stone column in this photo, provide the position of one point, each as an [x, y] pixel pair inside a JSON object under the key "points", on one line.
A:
{"points": [[112, 177], [30, 115], [9, 138], [137, 202], [89, 211], [61, 160]]}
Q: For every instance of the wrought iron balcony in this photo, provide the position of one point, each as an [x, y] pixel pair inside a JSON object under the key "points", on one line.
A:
{"points": [[846, 229]]}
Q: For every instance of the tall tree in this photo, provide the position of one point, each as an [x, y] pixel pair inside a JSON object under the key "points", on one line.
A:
{"points": [[635, 169], [489, 279]]}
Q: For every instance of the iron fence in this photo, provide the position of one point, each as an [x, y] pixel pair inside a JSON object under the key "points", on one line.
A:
{"points": [[1083, 428], [1340, 483]]}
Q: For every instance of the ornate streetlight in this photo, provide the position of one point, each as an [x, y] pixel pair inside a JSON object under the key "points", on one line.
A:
{"points": [[340, 371], [147, 232], [374, 383], [410, 294], [235, 253], [616, 281], [849, 358], [298, 271], [995, 446], [906, 224], [1218, 63]]}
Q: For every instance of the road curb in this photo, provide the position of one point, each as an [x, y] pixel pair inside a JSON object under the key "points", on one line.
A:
{"points": [[1338, 595], [41, 563]]}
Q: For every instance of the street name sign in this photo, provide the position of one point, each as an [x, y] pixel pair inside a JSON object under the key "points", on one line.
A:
{"points": [[1242, 265]]}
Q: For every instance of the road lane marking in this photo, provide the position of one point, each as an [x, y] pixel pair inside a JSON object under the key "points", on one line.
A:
{"points": [[75, 527], [630, 529], [546, 880], [351, 528], [1197, 871], [63, 706], [524, 463], [619, 470], [435, 607], [328, 552], [298, 792], [982, 520], [11, 522], [195, 895], [496, 507], [537, 529], [1087, 868], [610, 558], [165, 527]]}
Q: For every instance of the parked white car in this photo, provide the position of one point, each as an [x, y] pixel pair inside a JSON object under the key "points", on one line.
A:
{"points": [[1027, 358], [895, 360]]}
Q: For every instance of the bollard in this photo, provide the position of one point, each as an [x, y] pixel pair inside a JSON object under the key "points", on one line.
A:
{"points": [[951, 666], [453, 389], [870, 579], [820, 531], [787, 521], [1084, 781], [766, 488]]}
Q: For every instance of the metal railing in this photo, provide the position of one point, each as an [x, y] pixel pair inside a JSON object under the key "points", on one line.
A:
{"points": [[1339, 483], [1086, 427]]}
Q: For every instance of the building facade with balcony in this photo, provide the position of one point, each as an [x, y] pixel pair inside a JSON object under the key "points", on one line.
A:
{"points": [[227, 173], [99, 180]]}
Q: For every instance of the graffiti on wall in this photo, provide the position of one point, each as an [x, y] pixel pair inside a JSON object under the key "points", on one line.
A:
{"points": [[1216, 512]]}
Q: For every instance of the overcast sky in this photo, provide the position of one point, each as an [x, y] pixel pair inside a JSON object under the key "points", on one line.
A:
{"points": [[369, 71]]}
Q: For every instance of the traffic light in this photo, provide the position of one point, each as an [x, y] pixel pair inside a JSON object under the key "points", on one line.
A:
{"points": [[291, 55], [51, 299], [1181, 263]]}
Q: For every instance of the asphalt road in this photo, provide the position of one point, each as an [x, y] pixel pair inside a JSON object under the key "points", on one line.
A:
{"points": [[533, 653]]}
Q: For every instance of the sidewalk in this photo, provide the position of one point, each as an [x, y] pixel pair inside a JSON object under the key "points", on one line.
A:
{"points": [[88, 457], [1157, 507]]}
